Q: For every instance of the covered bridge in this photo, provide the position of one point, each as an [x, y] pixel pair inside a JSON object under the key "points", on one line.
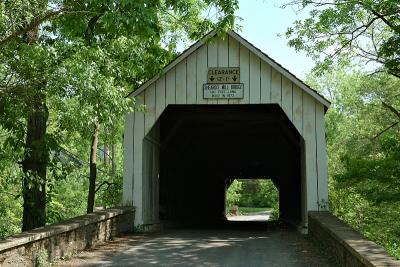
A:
{"points": [[223, 110]]}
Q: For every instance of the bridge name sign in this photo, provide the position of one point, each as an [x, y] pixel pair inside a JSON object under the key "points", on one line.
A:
{"points": [[223, 91]]}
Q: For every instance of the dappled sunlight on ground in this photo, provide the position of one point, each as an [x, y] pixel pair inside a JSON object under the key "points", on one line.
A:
{"points": [[204, 247]]}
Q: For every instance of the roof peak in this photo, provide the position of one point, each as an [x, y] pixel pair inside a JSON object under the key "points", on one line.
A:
{"points": [[263, 56]]}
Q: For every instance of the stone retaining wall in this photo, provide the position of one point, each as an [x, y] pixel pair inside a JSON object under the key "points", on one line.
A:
{"points": [[348, 246], [65, 238]]}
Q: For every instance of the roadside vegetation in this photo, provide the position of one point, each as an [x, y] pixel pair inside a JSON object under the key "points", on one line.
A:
{"points": [[252, 195], [66, 68]]}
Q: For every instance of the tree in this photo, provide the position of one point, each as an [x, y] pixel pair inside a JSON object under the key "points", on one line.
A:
{"points": [[42, 44], [363, 150], [233, 193], [341, 30]]}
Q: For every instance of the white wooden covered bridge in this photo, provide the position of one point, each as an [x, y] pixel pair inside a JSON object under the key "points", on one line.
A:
{"points": [[223, 110]]}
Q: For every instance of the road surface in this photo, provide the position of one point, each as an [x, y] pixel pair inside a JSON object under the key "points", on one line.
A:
{"points": [[260, 216], [243, 246]]}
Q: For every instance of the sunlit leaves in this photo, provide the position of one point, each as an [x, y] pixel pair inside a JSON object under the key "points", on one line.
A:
{"points": [[336, 31]]}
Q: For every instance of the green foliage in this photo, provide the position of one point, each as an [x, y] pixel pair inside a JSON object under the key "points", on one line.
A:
{"points": [[41, 258], [83, 57], [233, 194], [250, 194], [343, 30], [363, 148], [259, 193]]}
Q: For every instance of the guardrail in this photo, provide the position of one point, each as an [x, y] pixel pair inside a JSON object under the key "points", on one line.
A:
{"points": [[65, 238], [348, 246]]}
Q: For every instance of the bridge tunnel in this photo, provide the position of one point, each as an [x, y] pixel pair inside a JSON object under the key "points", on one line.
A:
{"points": [[204, 147]]}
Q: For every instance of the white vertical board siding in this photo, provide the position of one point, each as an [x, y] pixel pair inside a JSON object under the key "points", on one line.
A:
{"points": [[127, 191], [180, 85], [191, 73], [265, 82], [223, 58], [233, 59], [276, 90], [287, 97], [150, 109], [201, 71], [212, 61], [150, 182], [322, 168], [160, 96], [156, 184], [310, 148], [170, 89], [147, 165], [138, 135], [255, 89], [297, 118], [245, 73]]}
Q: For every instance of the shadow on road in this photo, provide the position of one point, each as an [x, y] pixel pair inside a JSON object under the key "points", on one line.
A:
{"points": [[229, 244]]}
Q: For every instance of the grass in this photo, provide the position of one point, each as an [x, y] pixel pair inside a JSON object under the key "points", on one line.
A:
{"points": [[247, 210]]}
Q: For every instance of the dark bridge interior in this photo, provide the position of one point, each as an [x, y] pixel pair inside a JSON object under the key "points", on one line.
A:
{"points": [[203, 147]]}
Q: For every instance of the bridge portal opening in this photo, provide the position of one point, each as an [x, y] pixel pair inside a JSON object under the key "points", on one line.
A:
{"points": [[203, 146], [251, 200]]}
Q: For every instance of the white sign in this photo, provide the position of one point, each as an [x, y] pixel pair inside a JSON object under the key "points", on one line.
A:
{"points": [[223, 91]]}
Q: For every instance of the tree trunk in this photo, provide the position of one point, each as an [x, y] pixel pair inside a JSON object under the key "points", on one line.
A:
{"points": [[93, 169], [113, 163], [34, 166]]}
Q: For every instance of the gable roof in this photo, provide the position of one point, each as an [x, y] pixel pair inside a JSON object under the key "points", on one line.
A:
{"points": [[249, 46]]}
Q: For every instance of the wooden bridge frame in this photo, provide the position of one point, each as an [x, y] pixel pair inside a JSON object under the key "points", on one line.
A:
{"points": [[181, 82]]}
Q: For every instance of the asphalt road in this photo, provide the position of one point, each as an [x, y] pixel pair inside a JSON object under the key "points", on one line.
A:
{"points": [[260, 216], [238, 246]]}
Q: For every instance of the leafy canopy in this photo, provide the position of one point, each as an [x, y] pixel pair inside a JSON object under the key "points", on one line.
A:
{"points": [[337, 31]]}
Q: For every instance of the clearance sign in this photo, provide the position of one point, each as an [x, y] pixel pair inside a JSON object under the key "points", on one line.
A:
{"points": [[223, 83], [223, 75]]}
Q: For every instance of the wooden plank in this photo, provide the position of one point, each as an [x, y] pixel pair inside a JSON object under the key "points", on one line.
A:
{"points": [[223, 59], [137, 164], [191, 79], [265, 83], [181, 82], [174, 63], [276, 66], [255, 89], [146, 183], [298, 109], [245, 73], [160, 96], [127, 191], [322, 168], [233, 59], [156, 189], [212, 61], [150, 103], [170, 87], [251, 48], [287, 95], [201, 73], [276, 87], [310, 149]]}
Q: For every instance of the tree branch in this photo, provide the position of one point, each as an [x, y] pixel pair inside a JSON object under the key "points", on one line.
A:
{"points": [[104, 183], [384, 130], [391, 108], [33, 24], [380, 16]]}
